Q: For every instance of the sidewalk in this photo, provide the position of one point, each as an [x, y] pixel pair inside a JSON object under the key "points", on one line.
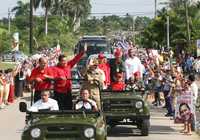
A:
{"points": [[198, 123], [198, 113]]}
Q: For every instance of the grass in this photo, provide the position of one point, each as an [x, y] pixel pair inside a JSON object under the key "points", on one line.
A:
{"points": [[7, 65], [2, 30]]}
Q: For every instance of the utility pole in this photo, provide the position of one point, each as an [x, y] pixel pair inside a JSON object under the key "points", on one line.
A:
{"points": [[187, 22], [9, 20], [155, 9], [133, 26], [168, 45], [31, 27]]}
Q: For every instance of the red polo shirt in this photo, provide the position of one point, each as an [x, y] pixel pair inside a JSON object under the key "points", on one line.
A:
{"points": [[106, 68], [38, 73], [64, 86], [118, 86]]}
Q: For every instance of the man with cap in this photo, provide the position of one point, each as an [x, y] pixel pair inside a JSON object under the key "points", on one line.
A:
{"points": [[117, 65], [103, 65], [135, 82], [119, 84], [95, 79]]}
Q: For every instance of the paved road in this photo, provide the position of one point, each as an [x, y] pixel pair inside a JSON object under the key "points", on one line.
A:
{"points": [[161, 128], [12, 123]]}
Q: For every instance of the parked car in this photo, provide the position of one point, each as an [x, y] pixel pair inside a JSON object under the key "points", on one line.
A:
{"points": [[14, 56]]}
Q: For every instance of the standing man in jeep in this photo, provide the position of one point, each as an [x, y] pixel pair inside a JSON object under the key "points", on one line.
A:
{"points": [[39, 77], [62, 86], [117, 65]]}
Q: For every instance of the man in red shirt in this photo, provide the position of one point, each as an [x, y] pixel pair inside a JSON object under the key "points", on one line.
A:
{"points": [[117, 65], [104, 65], [119, 84], [39, 76], [62, 86]]}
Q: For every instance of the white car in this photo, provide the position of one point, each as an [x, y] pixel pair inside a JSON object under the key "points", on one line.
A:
{"points": [[14, 56]]}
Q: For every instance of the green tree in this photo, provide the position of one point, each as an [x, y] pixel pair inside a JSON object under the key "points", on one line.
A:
{"points": [[46, 4], [22, 9], [74, 9]]}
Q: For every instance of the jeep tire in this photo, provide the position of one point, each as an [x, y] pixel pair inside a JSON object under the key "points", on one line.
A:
{"points": [[145, 128]]}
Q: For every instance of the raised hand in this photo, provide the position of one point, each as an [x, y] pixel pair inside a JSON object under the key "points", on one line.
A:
{"points": [[85, 47]]}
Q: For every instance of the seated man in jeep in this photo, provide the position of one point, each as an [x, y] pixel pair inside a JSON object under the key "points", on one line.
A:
{"points": [[119, 84], [85, 103], [45, 103], [135, 83]]}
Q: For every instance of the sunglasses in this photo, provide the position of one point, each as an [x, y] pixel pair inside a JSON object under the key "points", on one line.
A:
{"points": [[44, 95]]}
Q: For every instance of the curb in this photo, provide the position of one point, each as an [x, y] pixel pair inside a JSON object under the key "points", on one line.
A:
{"points": [[198, 123], [198, 128]]}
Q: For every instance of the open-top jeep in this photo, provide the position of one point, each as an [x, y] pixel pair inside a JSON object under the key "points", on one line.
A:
{"points": [[63, 125], [127, 108]]}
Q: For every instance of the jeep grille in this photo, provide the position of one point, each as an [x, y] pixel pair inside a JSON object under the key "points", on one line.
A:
{"points": [[64, 132], [119, 105]]}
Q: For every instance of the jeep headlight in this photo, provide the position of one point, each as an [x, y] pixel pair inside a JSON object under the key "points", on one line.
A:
{"points": [[89, 132], [138, 104], [35, 133]]}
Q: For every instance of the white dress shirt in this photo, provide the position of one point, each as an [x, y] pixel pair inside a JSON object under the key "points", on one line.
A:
{"points": [[88, 105], [132, 65], [194, 89], [39, 105]]}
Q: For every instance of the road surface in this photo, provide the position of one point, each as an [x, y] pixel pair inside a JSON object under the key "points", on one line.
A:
{"points": [[12, 123]]}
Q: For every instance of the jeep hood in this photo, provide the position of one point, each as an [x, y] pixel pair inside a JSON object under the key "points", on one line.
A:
{"points": [[69, 119]]}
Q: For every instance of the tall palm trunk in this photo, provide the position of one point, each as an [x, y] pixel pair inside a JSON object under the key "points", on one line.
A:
{"points": [[46, 21]]}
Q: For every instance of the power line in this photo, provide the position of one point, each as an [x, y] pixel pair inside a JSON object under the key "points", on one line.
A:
{"points": [[123, 13], [122, 4]]}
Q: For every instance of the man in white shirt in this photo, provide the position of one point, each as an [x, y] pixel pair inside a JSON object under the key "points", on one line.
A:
{"points": [[45, 103], [193, 86], [132, 64], [85, 103]]}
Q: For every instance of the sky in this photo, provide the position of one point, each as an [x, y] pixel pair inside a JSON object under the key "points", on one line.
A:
{"points": [[103, 7]]}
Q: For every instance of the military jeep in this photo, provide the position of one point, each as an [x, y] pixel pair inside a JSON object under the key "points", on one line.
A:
{"points": [[126, 108], [63, 125]]}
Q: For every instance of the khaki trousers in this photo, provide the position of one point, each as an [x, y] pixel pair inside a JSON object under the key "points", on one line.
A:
{"points": [[6, 92]]}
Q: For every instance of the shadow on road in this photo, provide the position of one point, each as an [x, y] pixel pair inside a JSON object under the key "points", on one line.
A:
{"points": [[129, 131], [158, 129], [124, 131]]}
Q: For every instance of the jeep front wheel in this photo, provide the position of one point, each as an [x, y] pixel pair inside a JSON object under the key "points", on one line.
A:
{"points": [[145, 128]]}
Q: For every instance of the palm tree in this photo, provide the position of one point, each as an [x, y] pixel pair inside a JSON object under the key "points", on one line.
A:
{"points": [[74, 9], [22, 9], [46, 4], [78, 9]]}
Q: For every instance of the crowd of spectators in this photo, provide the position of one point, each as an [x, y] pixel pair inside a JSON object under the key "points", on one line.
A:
{"points": [[14, 82], [161, 78]]}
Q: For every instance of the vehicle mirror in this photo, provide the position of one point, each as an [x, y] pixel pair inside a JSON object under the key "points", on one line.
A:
{"points": [[22, 107]]}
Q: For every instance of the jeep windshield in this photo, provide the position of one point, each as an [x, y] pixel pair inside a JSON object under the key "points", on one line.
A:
{"points": [[95, 46], [64, 112], [127, 92]]}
